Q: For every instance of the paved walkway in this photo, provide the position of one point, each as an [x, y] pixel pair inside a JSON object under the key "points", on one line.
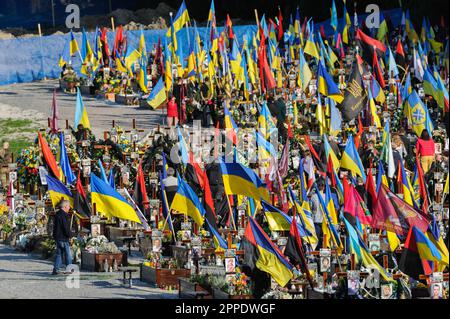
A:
{"points": [[37, 96], [26, 276]]}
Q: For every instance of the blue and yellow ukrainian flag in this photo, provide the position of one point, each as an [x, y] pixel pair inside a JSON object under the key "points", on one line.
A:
{"points": [[158, 95], [381, 176], [230, 125], [278, 220], [241, 180], [109, 202], [265, 148], [304, 72], [212, 12], [81, 116], [361, 252], [219, 243], [165, 205], [73, 44], [187, 202], [65, 55], [142, 78], [326, 86], [183, 147], [87, 55], [426, 249], [268, 257], [328, 227], [180, 20], [377, 92], [329, 152], [58, 191], [350, 159], [304, 212], [310, 46], [130, 57], [418, 114], [64, 162], [408, 191], [265, 122]]}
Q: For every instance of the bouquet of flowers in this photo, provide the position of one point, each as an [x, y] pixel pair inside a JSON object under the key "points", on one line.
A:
{"points": [[240, 283]]}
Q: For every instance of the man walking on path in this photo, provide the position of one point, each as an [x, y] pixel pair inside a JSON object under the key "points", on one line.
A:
{"points": [[61, 234]]}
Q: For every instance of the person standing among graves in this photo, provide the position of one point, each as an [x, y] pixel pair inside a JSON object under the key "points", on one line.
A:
{"points": [[425, 150], [172, 112], [62, 235]]}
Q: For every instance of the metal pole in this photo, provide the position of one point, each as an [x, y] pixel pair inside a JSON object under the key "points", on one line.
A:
{"points": [[53, 14]]}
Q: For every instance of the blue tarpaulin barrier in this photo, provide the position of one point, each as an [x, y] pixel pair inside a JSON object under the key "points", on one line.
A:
{"points": [[31, 59]]}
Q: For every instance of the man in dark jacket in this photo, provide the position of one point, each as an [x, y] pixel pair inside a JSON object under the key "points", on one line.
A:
{"points": [[62, 235]]}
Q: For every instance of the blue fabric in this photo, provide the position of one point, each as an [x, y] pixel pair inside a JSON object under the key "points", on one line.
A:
{"points": [[30, 59], [62, 248]]}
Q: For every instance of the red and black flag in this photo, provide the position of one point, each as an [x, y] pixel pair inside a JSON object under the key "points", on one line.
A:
{"points": [[140, 193], [377, 70], [208, 201], [265, 73], [369, 45], [400, 57], [410, 261], [80, 201], [294, 250], [355, 95], [48, 157], [280, 26], [119, 41], [229, 25]]}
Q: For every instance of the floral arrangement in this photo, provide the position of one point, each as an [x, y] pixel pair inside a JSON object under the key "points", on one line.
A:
{"points": [[277, 294], [100, 244], [28, 164], [240, 284]]}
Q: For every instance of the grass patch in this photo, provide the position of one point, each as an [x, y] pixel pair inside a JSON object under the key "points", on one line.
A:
{"points": [[17, 145], [16, 132]]}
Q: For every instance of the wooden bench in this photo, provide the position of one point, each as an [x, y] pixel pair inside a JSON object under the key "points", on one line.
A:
{"points": [[128, 270]]}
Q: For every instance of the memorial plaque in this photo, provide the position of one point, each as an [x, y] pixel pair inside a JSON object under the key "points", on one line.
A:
{"points": [[186, 225], [374, 242]]}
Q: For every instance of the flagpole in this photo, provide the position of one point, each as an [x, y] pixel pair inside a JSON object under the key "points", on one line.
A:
{"points": [[231, 212]]}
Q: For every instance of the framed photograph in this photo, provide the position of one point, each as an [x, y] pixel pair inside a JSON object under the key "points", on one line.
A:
{"points": [[386, 291], [197, 250], [86, 171], [156, 244], [436, 290], [438, 148], [325, 259], [374, 242], [353, 282], [230, 265], [12, 176], [186, 235], [186, 226], [134, 155], [95, 230], [282, 241], [42, 175], [125, 177], [68, 137], [85, 143]]}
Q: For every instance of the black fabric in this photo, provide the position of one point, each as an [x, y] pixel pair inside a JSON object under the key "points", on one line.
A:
{"points": [[61, 226], [80, 205], [355, 96], [411, 264]]}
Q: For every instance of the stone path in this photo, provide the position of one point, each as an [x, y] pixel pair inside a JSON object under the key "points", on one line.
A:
{"points": [[37, 96], [26, 276]]}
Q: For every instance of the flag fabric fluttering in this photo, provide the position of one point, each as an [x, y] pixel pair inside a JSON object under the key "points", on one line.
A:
{"points": [[109, 202], [187, 202], [158, 95], [265, 255], [58, 191]]}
